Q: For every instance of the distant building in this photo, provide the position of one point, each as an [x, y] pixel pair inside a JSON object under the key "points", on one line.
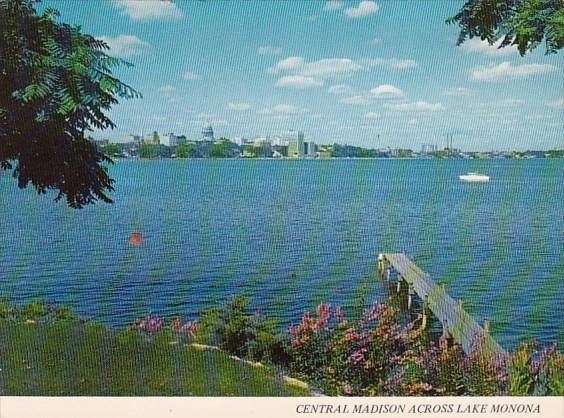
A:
{"points": [[277, 140], [296, 148], [310, 149], [261, 141], [207, 133], [241, 141], [152, 138], [325, 152], [428, 149], [136, 138], [169, 139]]}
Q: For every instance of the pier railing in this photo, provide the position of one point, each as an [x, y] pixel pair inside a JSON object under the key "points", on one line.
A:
{"points": [[457, 323]]}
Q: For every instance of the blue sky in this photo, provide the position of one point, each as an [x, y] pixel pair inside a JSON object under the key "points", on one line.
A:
{"points": [[340, 71]]}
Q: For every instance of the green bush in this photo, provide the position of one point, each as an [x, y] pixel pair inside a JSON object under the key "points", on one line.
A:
{"points": [[37, 311], [234, 329]]}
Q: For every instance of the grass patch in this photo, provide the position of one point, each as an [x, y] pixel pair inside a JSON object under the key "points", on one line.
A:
{"points": [[73, 358]]}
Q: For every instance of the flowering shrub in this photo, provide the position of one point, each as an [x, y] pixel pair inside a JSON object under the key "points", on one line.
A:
{"points": [[352, 359], [377, 355], [150, 324], [533, 372]]}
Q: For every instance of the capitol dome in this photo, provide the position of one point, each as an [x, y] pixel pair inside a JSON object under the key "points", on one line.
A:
{"points": [[207, 133]]}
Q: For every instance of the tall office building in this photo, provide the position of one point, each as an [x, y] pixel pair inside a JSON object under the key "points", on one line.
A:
{"points": [[310, 149], [296, 147]]}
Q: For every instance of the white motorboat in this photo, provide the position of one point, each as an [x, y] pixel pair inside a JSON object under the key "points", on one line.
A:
{"points": [[474, 177]]}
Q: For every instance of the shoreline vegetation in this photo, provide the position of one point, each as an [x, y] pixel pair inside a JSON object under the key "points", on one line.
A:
{"points": [[231, 351], [223, 148]]}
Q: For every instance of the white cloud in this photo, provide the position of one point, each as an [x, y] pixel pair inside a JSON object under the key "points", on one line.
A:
{"points": [[511, 102], [125, 46], [189, 75], [339, 89], [269, 50], [484, 47], [330, 68], [365, 8], [288, 109], [559, 104], [299, 82], [506, 70], [332, 5], [336, 67], [458, 91], [357, 100], [323, 68], [412, 122], [167, 89], [284, 109], [390, 63], [208, 121], [288, 64], [376, 41], [149, 9], [204, 115], [301, 74], [371, 115], [419, 106], [386, 90], [241, 107]]}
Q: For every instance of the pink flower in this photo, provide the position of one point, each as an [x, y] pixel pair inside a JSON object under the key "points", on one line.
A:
{"points": [[350, 335], [339, 314], [150, 324], [323, 316], [294, 331], [190, 328], [347, 389], [176, 324], [502, 377], [357, 356]]}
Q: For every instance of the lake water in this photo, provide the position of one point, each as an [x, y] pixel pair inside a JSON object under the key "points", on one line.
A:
{"points": [[291, 234]]}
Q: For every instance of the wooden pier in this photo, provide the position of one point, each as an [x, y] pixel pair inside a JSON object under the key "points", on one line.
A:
{"points": [[457, 323]]}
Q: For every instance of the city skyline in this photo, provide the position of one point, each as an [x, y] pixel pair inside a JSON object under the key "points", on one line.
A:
{"points": [[344, 72]]}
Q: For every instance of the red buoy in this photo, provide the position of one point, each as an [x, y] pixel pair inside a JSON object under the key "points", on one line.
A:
{"points": [[135, 238]]}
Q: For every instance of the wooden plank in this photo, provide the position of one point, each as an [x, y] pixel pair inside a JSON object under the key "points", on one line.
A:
{"points": [[459, 324]]}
